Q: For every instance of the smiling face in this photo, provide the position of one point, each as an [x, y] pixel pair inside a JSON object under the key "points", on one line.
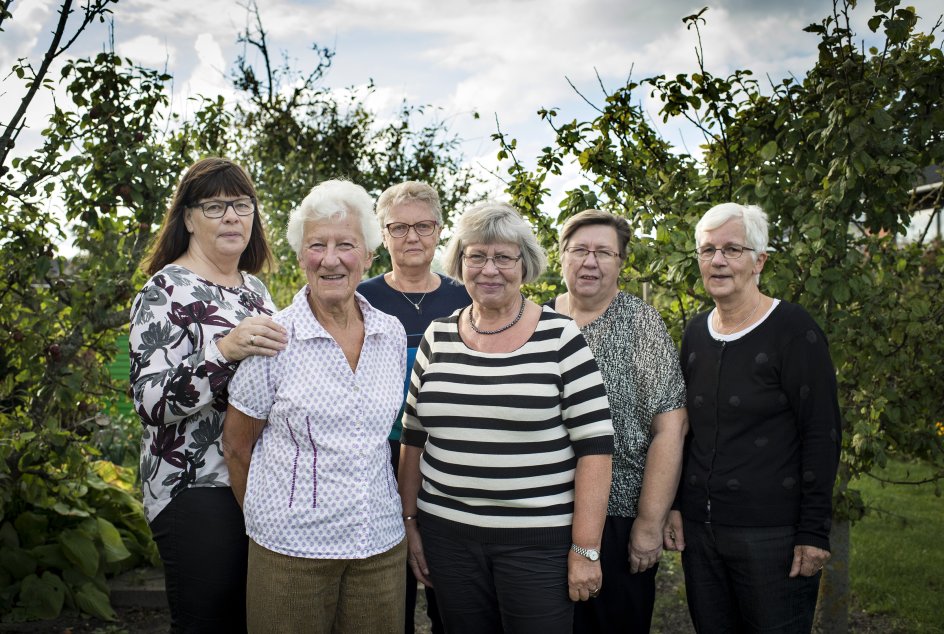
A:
{"points": [[219, 239], [729, 279], [591, 278], [411, 250], [490, 286], [334, 259]]}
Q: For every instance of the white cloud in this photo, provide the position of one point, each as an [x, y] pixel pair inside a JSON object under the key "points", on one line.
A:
{"points": [[148, 50]]}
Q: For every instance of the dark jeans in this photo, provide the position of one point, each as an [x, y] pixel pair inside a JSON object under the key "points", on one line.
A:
{"points": [[484, 588], [736, 580], [202, 540], [626, 600], [432, 610]]}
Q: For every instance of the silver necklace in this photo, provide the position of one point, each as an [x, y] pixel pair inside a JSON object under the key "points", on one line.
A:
{"points": [[416, 305], [740, 323], [497, 330]]}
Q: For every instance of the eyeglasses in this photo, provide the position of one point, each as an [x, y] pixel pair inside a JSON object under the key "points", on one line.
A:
{"points": [[730, 252], [217, 208], [602, 255], [423, 228], [501, 261]]}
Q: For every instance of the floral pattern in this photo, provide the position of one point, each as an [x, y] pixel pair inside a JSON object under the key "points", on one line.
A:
{"points": [[179, 378]]}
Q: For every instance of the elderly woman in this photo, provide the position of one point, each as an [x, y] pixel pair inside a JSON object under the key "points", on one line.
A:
{"points": [[757, 479], [411, 218], [327, 548], [507, 443], [199, 315], [644, 384]]}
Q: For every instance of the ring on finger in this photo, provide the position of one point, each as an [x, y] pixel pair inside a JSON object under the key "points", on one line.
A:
{"points": [[252, 340]]}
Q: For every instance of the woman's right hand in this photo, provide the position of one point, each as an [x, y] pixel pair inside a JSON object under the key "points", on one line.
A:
{"points": [[253, 335], [414, 553]]}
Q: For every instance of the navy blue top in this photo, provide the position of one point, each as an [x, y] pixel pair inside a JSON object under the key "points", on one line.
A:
{"points": [[442, 302]]}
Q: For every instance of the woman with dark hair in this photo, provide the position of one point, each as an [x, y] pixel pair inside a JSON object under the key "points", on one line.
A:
{"points": [[200, 314]]}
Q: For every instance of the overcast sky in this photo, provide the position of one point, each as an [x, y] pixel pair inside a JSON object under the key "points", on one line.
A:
{"points": [[499, 58]]}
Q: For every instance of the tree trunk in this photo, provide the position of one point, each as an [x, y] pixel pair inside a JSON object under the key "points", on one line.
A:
{"points": [[832, 610]]}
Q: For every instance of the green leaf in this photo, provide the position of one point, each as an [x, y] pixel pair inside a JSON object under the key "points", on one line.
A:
{"points": [[8, 536], [31, 528], [80, 549], [115, 549], [93, 601], [769, 151], [42, 598], [17, 562]]}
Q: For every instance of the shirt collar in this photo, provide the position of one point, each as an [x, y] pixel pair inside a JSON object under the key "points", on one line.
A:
{"points": [[305, 326]]}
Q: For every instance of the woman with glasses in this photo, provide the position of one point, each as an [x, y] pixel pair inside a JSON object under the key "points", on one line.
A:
{"points": [[411, 218], [505, 467], [757, 479], [640, 368], [199, 315], [306, 438]]}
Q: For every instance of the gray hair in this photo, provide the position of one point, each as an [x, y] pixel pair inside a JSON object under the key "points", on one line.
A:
{"points": [[330, 199], [489, 222], [752, 216], [406, 192]]}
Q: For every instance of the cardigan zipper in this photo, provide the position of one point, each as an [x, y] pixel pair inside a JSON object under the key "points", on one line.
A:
{"points": [[714, 447]]}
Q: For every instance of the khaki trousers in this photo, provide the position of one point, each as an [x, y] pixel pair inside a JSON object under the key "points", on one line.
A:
{"points": [[325, 596]]}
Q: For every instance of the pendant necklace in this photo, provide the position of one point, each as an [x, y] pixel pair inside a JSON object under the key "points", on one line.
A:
{"points": [[416, 304], [740, 323], [498, 330]]}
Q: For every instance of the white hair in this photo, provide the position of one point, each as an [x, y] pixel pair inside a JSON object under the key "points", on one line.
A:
{"points": [[334, 198], [751, 216]]}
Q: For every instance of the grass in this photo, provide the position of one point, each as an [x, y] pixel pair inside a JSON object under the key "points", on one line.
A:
{"points": [[897, 565]]}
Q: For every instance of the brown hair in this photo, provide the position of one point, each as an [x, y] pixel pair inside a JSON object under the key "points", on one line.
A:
{"points": [[204, 179], [596, 217]]}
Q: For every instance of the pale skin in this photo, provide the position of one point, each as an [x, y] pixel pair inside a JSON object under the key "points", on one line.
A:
{"points": [[213, 253], [592, 286], [411, 255], [739, 304], [496, 300]]}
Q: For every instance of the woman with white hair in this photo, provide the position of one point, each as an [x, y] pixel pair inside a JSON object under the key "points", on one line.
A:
{"points": [[507, 444], [305, 438], [763, 447]]}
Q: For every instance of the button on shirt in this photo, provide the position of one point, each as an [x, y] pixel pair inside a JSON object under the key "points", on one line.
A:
{"points": [[320, 482]]}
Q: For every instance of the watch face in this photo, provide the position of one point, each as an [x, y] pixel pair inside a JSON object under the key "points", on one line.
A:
{"points": [[592, 555]]}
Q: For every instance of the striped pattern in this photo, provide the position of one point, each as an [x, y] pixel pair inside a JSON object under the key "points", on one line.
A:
{"points": [[503, 432]]}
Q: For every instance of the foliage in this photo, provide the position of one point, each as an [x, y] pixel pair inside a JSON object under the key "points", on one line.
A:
{"points": [[111, 154], [834, 159], [291, 132]]}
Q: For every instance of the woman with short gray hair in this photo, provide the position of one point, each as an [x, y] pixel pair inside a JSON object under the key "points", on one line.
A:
{"points": [[505, 465], [763, 444]]}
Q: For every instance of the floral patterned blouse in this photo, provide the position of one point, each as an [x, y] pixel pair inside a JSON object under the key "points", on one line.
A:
{"points": [[179, 377]]}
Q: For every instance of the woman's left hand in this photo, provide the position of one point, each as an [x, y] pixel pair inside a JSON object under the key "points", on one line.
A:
{"points": [[584, 577], [808, 560]]}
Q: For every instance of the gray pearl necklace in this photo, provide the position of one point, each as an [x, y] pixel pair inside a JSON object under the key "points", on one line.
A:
{"points": [[497, 330]]}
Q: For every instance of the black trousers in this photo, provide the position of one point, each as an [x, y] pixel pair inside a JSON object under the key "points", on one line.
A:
{"points": [[484, 588], [202, 540], [737, 580], [626, 600]]}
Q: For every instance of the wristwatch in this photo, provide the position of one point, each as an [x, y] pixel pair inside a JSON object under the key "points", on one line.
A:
{"points": [[590, 553]]}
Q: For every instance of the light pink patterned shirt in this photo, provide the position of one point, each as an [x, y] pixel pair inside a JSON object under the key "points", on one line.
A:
{"points": [[320, 481]]}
